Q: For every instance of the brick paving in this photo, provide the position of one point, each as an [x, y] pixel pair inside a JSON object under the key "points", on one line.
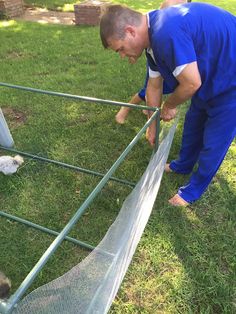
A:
{"points": [[44, 16]]}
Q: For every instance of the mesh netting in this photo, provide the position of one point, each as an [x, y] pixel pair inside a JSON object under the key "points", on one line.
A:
{"points": [[91, 286], [6, 139]]}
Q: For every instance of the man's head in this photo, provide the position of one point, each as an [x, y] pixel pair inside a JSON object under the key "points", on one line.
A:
{"points": [[124, 31]]}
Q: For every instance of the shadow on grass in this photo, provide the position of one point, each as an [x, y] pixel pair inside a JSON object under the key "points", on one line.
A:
{"points": [[202, 238]]}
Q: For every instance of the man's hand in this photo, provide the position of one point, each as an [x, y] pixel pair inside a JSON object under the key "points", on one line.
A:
{"points": [[167, 113], [151, 134]]}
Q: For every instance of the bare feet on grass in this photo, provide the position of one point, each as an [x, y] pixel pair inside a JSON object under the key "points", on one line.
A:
{"points": [[167, 168], [122, 115], [178, 201], [175, 200]]}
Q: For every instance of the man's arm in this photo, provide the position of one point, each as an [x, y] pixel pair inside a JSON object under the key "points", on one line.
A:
{"points": [[153, 99], [154, 91], [189, 82]]}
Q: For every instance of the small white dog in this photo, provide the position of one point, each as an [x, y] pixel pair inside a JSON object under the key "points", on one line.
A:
{"points": [[9, 165]]}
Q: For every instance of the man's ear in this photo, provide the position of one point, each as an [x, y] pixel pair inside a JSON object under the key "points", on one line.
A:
{"points": [[130, 30]]}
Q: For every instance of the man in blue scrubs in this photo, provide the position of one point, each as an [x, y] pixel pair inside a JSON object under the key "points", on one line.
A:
{"points": [[141, 95], [193, 48]]}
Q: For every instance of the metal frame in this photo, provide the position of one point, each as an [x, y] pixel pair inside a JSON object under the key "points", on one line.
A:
{"points": [[8, 305]]}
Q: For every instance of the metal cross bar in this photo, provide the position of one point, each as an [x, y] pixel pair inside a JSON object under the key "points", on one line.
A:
{"points": [[8, 306], [77, 97], [46, 230], [62, 164]]}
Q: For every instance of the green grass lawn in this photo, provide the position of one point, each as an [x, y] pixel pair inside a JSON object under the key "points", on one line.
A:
{"points": [[185, 262], [67, 5], [59, 5]]}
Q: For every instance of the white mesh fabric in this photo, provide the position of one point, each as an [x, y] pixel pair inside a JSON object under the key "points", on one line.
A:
{"points": [[6, 139], [91, 286]]}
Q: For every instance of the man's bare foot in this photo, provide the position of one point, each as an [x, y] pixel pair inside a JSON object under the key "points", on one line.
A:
{"points": [[122, 115], [145, 112], [178, 201], [167, 168]]}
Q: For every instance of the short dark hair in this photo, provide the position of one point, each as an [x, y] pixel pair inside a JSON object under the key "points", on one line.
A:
{"points": [[114, 20]]}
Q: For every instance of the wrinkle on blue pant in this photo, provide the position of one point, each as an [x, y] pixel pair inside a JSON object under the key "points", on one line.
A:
{"points": [[209, 129]]}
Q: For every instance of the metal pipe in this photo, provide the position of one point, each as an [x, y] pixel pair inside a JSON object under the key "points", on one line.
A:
{"points": [[158, 125], [46, 230], [62, 164], [77, 97], [55, 244]]}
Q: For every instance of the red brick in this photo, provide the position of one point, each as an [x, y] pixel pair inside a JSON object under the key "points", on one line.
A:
{"points": [[89, 12], [12, 8]]}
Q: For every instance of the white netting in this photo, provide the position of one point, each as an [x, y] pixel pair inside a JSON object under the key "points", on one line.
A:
{"points": [[91, 286], [6, 139]]}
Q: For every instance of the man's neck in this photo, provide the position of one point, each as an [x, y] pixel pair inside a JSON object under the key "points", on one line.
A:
{"points": [[144, 30]]}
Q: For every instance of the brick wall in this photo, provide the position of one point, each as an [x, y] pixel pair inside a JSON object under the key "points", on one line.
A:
{"points": [[12, 8], [89, 12]]}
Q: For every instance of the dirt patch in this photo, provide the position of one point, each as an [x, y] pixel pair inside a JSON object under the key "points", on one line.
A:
{"points": [[14, 55], [44, 16], [14, 117]]}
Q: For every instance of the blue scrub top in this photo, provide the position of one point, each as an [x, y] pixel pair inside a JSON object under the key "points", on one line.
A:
{"points": [[142, 92], [195, 32]]}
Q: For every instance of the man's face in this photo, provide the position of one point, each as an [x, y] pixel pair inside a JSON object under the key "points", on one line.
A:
{"points": [[128, 47]]}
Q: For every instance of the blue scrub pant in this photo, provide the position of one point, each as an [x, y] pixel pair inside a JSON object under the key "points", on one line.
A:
{"points": [[209, 129]]}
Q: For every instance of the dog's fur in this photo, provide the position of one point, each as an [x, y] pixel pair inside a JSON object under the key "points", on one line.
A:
{"points": [[5, 286], [9, 165]]}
